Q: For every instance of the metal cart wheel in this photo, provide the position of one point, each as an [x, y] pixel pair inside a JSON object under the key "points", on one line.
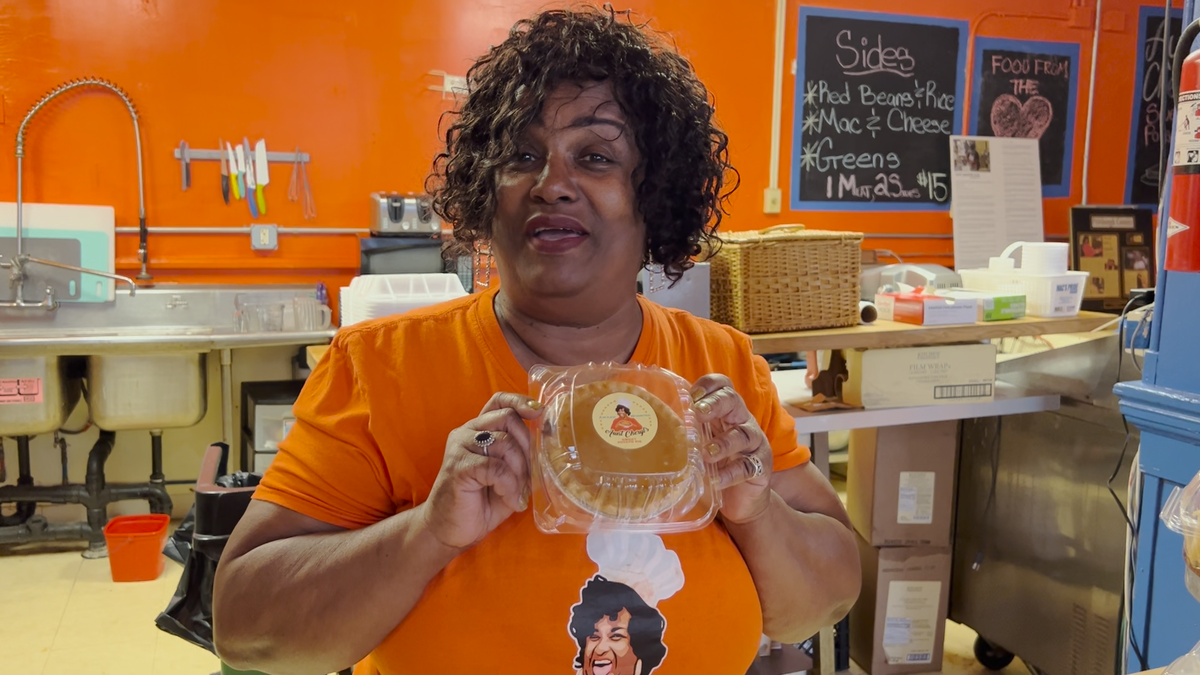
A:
{"points": [[991, 656]]}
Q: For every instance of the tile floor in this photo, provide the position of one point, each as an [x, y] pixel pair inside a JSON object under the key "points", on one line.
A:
{"points": [[64, 615]]}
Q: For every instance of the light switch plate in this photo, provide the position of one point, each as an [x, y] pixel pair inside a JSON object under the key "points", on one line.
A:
{"points": [[772, 200], [264, 237]]}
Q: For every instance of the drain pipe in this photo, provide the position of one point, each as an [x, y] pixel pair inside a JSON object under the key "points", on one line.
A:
{"points": [[25, 510], [1087, 138], [97, 515], [227, 426]]}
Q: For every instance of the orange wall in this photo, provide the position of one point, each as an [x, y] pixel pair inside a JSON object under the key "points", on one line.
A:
{"points": [[347, 82]]}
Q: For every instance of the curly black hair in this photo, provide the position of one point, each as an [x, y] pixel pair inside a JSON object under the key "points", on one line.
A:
{"points": [[684, 154], [601, 598]]}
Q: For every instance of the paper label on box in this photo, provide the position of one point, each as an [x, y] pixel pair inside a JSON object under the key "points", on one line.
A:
{"points": [[916, 498], [910, 625], [24, 390], [1064, 297], [625, 421]]}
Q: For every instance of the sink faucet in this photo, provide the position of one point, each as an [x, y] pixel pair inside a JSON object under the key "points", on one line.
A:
{"points": [[16, 265]]}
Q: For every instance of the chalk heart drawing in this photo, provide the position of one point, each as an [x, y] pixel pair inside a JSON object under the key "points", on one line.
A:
{"points": [[1012, 119]]}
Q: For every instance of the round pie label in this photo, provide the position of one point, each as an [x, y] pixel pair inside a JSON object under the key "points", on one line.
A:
{"points": [[625, 421]]}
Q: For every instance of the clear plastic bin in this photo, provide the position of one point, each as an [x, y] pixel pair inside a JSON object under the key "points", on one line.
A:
{"points": [[618, 448], [1046, 295], [373, 296]]}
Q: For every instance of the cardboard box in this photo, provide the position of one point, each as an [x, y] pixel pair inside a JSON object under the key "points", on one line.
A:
{"points": [[898, 378], [898, 625], [900, 483], [926, 310], [993, 306]]}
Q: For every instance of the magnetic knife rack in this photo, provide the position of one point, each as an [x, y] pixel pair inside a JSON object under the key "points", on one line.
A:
{"points": [[218, 155]]}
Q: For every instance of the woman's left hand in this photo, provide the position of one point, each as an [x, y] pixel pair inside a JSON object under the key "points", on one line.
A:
{"points": [[738, 451]]}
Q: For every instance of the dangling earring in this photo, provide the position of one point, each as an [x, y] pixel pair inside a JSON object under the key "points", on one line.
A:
{"points": [[483, 266], [655, 271]]}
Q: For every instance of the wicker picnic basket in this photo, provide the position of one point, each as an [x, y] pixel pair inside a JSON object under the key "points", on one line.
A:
{"points": [[786, 278]]}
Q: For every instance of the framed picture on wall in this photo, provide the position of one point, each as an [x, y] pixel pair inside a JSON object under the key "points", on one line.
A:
{"points": [[1115, 246]]}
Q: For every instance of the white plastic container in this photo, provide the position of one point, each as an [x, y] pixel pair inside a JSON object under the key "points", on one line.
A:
{"points": [[378, 295], [1057, 294]]}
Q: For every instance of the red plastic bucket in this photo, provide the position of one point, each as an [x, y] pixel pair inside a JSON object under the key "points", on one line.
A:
{"points": [[135, 545]]}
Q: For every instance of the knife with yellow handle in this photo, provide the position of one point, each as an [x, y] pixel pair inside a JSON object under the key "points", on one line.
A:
{"points": [[262, 176]]}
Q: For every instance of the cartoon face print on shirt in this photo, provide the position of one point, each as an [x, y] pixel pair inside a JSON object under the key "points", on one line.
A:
{"points": [[616, 624]]}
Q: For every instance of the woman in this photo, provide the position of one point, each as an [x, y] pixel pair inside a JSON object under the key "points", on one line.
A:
{"points": [[393, 523], [625, 421]]}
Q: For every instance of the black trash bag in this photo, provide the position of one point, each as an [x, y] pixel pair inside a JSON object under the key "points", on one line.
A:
{"points": [[179, 544], [189, 614]]}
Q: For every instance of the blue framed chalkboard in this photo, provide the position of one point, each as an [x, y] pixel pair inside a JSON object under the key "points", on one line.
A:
{"points": [[1145, 146], [1028, 89], [877, 98]]}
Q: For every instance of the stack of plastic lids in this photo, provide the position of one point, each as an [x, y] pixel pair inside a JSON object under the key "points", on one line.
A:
{"points": [[378, 295]]}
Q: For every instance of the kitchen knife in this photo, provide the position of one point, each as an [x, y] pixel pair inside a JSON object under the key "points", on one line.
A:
{"points": [[237, 193], [185, 164], [240, 154], [251, 184], [262, 176], [224, 172]]}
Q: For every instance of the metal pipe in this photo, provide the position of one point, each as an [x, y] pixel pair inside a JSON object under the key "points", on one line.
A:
{"points": [[1087, 136], [227, 398], [18, 274], [777, 94], [84, 270], [97, 513], [156, 468], [25, 508], [44, 531], [246, 230]]}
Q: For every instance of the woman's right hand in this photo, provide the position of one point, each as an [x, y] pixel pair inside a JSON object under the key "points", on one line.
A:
{"points": [[479, 488]]}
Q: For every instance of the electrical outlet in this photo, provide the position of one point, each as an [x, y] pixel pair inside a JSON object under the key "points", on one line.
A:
{"points": [[264, 237], [772, 200], [455, 85]]}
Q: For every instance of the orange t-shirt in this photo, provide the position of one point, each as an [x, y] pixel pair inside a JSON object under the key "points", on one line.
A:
{"points": [[370, 432]]}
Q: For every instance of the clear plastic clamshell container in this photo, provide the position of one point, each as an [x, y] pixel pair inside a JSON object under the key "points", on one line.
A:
{"points": [[1181, 514], [618, 448]]}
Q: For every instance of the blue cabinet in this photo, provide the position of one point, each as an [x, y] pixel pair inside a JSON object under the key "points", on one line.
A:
{"points": [[1164, 618]]}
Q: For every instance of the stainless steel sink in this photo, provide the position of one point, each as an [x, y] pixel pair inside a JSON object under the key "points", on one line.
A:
{"points": [[167, 318], [145, 354], [147, 391], [46, 395]]}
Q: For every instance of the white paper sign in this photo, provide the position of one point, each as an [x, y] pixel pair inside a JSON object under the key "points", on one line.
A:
{"points": [[996, 188]]}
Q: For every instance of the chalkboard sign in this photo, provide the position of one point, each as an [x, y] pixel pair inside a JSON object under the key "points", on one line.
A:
{"points": [[1145, 144], [1025, 89], [877, 98]]}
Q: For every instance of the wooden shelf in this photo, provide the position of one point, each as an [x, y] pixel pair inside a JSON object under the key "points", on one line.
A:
{"points": [[892, 334]]}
